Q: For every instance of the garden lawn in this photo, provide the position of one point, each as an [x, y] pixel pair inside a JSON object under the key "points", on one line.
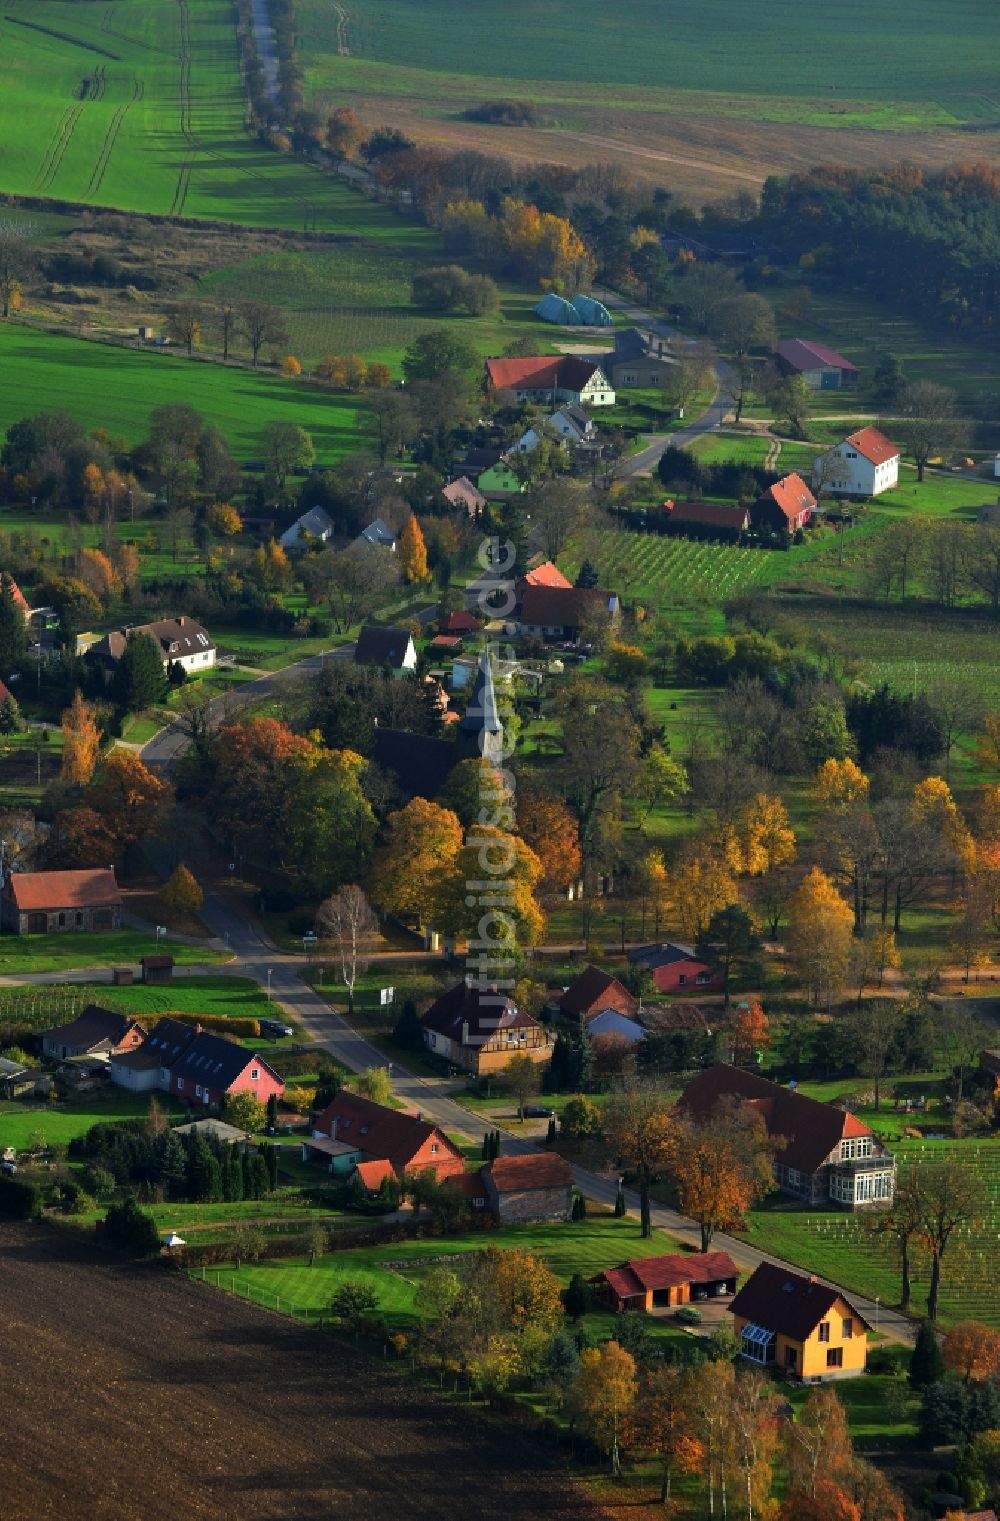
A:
{"points": [[53, 953], [97, 381], [23, 1126]]}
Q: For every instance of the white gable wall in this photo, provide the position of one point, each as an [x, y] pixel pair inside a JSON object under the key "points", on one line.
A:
{"points": [[845, 472]]}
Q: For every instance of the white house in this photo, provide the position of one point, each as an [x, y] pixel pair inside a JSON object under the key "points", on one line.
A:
{"points": [[569, 423], [181, 641], [863, 465], [379, 534], [314, 525]]}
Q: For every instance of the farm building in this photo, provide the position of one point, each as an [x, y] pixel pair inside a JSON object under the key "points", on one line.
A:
{"points": [[555, 612], [582, 311], [546, 574], [593, 992], [655, 1283], [538, 1186], [823, 1153], [358, 1129], [822, 368], [783, 508], [55, 902], [864, 464], [708, 520], [798, 1325], [180, 641], [638, 359]]}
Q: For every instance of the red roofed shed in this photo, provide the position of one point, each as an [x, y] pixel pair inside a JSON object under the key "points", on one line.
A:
{"points": [[652, 1283]]}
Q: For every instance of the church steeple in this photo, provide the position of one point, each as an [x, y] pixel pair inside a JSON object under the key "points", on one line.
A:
{"points": [[480, 731]]}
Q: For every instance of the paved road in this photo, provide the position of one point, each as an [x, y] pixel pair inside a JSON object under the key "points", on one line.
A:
{"points": [[166, 747], [646, 460]]}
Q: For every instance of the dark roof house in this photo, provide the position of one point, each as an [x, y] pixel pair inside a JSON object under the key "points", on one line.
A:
{"points": [[390, 646], [178, 639], [593, 992], [788, 1303], [92, 1033], [649, 1283], [481, 1029], [562, 611], [210, 1068]]}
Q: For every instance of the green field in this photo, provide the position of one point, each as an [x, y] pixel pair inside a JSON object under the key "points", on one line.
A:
{"points": [[663, 570], [57, 1124], [840, 1247], [99, 384], [212, 997], [564, 53], [54, 953], [139, 105]]}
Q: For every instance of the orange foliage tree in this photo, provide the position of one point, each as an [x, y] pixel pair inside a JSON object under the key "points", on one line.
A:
{"points": [[721, 1164], [829, 1503], [662, 1425], [223, 519], [972, 1349], [751, 1031], [818, 1443], [181, 891], [131, 799], [413, 552], [253, 763], [840, 784], [81, 741], [79, 837], [550, 827]]}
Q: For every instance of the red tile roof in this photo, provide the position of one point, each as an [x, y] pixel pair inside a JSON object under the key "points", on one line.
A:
{"points": [[791, 496], [459, 622], [546, 574], [669, 1272], [16, 592], [373, 1174], [445, 642], [786, 1302], [802, 354], [568, 372], [379, 1132], [50, 890], [807, 1130], [873, 445], [537, 1169]]}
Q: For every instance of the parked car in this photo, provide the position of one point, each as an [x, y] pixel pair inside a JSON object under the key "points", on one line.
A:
{"points": [[275, 1027], [688, 1315], [537, 1112]]}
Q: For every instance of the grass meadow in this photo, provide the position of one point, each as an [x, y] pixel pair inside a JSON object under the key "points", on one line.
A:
{"points": [[97, 382], [56, 1124], [564, 55], [141, 107], [56, 953]]}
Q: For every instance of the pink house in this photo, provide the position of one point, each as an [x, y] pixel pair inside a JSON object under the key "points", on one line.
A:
{"points": [[210, 1069]]}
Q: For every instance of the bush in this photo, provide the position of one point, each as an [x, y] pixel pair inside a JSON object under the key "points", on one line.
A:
{"points": [[130, 1230], [220, 1024]]}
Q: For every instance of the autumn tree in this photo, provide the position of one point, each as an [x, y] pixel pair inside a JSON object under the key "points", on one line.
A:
{"points": [[972, 1350], [184, 324], [721, 1163], [521, 1077], [759, 836], [873, 1035], [603, 1396], [639, 1130], [701, 885], [479, 793], [927, 422], [421, 842], [840, 784], [751, 1032], [661, 1424], [13, 627], [817, 1443], [81, 741], [130, 799], [413, 553], [261, 324], [950, 1199], [349, 923], [224, 520], [754, 1429], [181, 891], [819, 935], [902, 1225], [829, 1503], [285, 446], [328, 826], [549, 826], [252, 766]]}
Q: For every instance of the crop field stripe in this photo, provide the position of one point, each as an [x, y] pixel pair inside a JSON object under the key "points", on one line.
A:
{"points": [[49, 31]]}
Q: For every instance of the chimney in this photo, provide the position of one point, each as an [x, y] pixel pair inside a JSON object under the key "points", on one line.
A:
{"points": [[333, 1128], [465, 1032], [181, 620]]}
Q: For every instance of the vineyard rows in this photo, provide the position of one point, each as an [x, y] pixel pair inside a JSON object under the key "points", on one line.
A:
{"points": [[659, 568]]}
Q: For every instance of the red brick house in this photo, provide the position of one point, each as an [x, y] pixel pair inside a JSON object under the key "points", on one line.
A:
{"points": [[95, 1032], [52, 902], [376, 1133], [537, 1186], [210, 1069], [653, 1283], [823, 1153], [784, 507], [676, 969], [715, 520], [480, 1030], [593, 992]]}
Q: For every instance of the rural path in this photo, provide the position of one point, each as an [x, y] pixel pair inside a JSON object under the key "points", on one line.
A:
{"points": [[267, 50], [166, 747], [645, 461]]}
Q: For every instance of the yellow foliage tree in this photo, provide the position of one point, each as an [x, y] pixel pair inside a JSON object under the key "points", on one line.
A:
{"points": [[413, 552], [379, 377], [81, 741], [93, 483], [819, 935], [332, 371], [840, 784], [510, 870], [181, 892], [421, 843], [934, 805], [763, 835], [223, 519], [656, 887], [701, 883], [603, 1395], [96, 571], [356, 372], [291, 368]]}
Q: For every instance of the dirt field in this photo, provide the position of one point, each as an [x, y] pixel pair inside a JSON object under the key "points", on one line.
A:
{"points": [[126, 1393], [700, 158]]}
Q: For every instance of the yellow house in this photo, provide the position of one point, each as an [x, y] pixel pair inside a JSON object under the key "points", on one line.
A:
{"points": [[798, 1325]]}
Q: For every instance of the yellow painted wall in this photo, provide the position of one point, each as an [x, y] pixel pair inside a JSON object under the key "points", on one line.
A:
{"points": [[811, 1360]]}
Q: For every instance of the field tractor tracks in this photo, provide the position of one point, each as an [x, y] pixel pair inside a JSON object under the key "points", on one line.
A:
{"points": [[111, 137]]}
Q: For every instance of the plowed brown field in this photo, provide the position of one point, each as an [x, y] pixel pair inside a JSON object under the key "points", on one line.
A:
{"points": [[126, 1393]]}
